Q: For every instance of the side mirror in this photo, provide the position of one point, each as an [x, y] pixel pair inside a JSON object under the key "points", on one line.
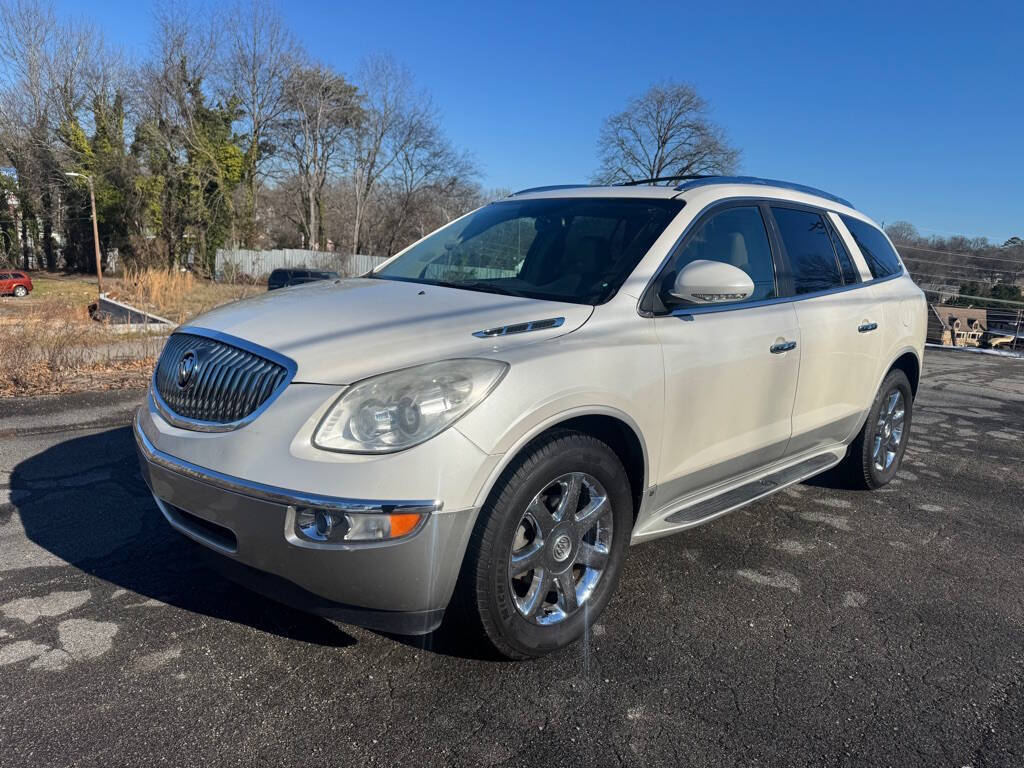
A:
{"points": [[711, 282]]}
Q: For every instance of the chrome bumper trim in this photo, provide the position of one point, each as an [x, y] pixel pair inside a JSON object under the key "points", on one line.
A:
{"points": [[271, 493]]}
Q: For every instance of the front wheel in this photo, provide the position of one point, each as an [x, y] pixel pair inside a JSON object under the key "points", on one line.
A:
{"points": [[875, 455], [546, 552], [20, 291]]}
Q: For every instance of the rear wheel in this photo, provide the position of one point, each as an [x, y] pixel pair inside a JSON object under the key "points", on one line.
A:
{"points": [[546, 552], [874, 457], [20, 291]]}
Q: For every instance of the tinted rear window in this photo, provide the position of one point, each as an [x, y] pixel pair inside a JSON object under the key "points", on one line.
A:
{"points": [[809, 248], [878, 253]]}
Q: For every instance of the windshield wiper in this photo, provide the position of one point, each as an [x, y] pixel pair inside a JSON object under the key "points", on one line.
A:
{"points": [[476, 285]]}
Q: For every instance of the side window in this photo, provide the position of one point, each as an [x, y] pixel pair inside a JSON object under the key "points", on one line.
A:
{"points": [[878, 253], [734, 236], [849, 271], [809, 247]]}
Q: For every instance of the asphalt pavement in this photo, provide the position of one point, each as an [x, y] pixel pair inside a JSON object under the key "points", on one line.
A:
{"points": [[821, 627]]}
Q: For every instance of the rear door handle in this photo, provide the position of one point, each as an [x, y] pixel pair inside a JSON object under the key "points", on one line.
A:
{"points": [[866, 327], [782, 346]]}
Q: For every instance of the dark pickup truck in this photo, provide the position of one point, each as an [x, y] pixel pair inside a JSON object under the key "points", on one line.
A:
{"points": [[284, 278]]}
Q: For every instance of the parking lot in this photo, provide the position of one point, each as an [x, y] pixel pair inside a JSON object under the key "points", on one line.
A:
{"points": [[819, 627]]}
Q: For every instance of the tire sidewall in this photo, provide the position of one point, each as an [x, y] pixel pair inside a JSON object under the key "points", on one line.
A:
{"points": [[525, 637], [20, 291], [894, 380]]}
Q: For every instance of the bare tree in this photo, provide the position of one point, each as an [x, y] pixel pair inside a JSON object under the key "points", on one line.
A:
{"points": [[323, 109], [261, 58], [902, 232], [27, 30], [428, 173], [395, 118], [665, 132]]}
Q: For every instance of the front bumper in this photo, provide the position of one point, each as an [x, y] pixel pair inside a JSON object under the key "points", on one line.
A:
{"points": [[401, 586]]}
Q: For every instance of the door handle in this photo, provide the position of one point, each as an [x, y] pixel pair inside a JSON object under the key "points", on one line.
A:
{"points": [[782, 346], [866, 327]]}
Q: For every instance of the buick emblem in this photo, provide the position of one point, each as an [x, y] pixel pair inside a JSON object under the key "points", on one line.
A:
{"points": [[562, 547], [187, 368]]}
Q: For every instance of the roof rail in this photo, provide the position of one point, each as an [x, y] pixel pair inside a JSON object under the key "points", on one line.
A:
{"points": [[707, 180], [549, 188], [637, 182]]}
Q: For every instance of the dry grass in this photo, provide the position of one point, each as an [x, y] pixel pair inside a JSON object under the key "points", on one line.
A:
{"points": [[49, 344], [72, 289], [178, 296]]}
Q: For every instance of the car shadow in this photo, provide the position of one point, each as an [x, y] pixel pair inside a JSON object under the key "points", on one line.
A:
{"points": [[832, 479], [450, 639], [84, 502]]}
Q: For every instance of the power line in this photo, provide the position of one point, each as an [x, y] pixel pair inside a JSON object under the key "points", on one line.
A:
{"points": [[959, 253], [947, 276], [979, 298], [916, 260], [956, 278], [958, 234]]}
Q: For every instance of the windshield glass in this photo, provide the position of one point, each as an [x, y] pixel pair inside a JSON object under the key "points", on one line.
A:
{"points": [[579, 250]]}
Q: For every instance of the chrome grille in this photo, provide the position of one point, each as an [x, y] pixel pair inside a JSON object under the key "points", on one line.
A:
{"points": [[226, 384]]}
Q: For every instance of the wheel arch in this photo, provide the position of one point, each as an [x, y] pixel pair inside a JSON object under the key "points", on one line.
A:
{"points": [[908, 362], [609, 425]]}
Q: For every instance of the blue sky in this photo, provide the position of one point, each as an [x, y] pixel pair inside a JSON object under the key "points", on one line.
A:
{"points": [[912, 111]]}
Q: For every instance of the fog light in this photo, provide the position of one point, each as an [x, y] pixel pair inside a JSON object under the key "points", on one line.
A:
{"points": [[320, 525], [327, 527]]}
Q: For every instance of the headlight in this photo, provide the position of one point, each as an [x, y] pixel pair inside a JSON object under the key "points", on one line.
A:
{"points": [[398, 410]]}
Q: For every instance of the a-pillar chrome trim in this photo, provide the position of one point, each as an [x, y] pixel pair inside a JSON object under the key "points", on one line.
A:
{"points": [[283, 496]]}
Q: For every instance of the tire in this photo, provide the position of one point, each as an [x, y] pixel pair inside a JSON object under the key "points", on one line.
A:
{"points": [[577, 557], [875, 455], [20, 291]]}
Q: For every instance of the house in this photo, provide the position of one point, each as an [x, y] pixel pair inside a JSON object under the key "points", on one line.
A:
{"points": [[956, 326]]}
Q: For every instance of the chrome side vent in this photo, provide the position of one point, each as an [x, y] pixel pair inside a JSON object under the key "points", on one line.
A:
{"points": [[508, 330]]}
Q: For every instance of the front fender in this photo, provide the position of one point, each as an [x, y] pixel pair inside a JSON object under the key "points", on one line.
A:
{"points": [[540, 422]]}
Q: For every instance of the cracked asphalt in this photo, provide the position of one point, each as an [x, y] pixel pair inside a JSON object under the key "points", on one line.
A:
{"points": [[821, 627]]}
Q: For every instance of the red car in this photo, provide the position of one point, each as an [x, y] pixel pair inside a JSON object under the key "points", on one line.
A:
{"points": [[17, 283]]}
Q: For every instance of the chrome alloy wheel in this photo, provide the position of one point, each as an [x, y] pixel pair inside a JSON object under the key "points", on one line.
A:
{"points": [[561, 548], [888, 431]]}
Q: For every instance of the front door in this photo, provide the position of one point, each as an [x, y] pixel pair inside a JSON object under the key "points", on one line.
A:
{"points": [[730, 370]]}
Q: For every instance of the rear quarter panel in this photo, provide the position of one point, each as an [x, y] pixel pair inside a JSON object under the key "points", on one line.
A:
{"points": [[906, 320]]}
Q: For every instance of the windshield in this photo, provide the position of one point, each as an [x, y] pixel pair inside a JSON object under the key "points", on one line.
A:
{"points": [[579, 250]]}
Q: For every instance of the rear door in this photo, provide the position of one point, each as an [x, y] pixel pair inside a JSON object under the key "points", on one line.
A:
{"points": [[839, 319], [729, 379], [5, 282]]}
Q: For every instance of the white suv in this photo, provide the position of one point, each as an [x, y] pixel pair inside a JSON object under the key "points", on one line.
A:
{"points": [[500, 410]]}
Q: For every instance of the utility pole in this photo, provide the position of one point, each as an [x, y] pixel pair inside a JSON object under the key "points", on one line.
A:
{"points": [[95, 228]]}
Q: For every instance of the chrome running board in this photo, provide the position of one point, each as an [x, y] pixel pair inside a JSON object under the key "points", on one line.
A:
{"points": [[756, 489]]}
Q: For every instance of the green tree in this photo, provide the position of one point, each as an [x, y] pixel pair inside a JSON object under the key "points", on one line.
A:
{"points": [[104, 157], [192, 161]]}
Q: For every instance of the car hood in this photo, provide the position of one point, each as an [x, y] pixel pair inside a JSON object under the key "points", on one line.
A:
{"points": [[339, 332]]}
